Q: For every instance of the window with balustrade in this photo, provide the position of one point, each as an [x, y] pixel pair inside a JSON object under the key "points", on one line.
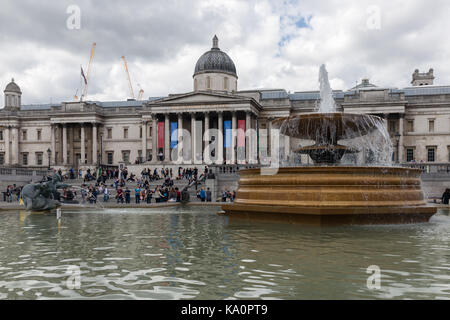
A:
{"points": [[409, 154], [39, 158], [431, 154]]}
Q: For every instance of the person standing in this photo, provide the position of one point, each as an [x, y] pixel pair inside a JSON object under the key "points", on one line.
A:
{"points": [[127, 195], [208, 195], [105, 194], [149, 195], [137, 194], [157, 195], [446, 196], [202, 195]]}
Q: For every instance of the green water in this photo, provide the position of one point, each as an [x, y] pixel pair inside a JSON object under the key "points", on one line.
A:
{"points": [[192, 253]]}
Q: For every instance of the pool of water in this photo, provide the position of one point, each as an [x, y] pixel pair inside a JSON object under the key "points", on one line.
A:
{"points": [[192, 253]]}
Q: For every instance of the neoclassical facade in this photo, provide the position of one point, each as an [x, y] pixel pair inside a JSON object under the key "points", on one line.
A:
{"points": [[219, 123]]}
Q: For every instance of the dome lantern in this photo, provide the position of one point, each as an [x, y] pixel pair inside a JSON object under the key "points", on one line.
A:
{"points": [[13, 96]]}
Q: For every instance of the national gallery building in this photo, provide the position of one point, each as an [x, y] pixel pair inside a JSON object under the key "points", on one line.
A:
{"points": [[90, 133]]}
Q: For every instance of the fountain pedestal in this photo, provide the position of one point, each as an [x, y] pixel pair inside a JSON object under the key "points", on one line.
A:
{"points": [[332, 195]]}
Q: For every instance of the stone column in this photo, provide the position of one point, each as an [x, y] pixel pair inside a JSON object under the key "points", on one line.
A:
{"points": [[53, 147], [144, 141], [233, 137], [400, 142], [269, 137], [206, 135], [15, 145], [193, 134], [154, 139], [220, 138], [7, 149], [180, 136], [94, 144], [64, 144], [83, 144], [248, 138], [167, 137]]}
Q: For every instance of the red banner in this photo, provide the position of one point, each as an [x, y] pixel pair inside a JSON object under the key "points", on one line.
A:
{"points": [[160, 135], [241, 133]]}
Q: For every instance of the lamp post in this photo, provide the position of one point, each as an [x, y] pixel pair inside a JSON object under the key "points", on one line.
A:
{"points": [[101, 148], [49, 153], [397, 140]]}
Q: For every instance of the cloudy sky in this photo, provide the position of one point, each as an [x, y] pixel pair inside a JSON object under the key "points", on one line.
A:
{"points": [[273, 43]]}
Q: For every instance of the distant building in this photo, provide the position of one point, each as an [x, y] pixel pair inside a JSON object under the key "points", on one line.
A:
{"points": [[88, 133]]}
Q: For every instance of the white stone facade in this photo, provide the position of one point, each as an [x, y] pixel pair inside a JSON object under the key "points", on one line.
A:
{"points": [[80, 134]]}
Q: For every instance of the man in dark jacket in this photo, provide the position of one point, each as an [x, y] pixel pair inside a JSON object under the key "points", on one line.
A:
{"points": [[208, 195], [446, 196]]}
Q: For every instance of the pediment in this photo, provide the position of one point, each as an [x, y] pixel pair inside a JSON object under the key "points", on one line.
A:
{"points": [[201, 97]]}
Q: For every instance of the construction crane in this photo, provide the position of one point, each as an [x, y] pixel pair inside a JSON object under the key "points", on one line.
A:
{"points": [[84, 94], [128, 75], [141, 92]]}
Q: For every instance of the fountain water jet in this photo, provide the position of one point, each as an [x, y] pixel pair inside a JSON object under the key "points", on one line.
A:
{"points": [[330, 192]]}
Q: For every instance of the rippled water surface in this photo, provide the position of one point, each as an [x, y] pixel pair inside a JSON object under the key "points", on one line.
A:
{"points": [[192, 253]]}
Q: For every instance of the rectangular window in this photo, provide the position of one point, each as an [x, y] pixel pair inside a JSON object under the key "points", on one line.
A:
{"points": [[25, 159], [431, 154], [39, 158], [126, 156], [409, 154], [430, 125], [448, 148], [39, 135], [125, 133], [1, 135], [110, 156], [150, 131], [109, 133], [392, 127], [225, 83], [24, 135], [2, 158], [410, 126], [140, 132]]}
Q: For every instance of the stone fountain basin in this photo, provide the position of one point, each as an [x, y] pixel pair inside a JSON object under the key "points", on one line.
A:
{"points": [[330, 126], [332, 194]]}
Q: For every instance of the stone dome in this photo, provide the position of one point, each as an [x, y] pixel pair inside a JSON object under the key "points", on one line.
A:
{"points": [[215, 60], [12, 87]]}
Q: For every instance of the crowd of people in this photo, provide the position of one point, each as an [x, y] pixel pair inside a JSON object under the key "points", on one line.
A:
{"points": [[126, 185], [12, 193], [121, 186]]}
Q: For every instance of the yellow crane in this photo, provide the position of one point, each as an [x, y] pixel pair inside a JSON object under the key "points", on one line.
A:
{"points": [[86, 80], [128, 75], [141, 92]]}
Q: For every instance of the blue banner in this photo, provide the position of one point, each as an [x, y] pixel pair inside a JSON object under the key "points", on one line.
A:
{"points": [[227, 129], [173, 137]]}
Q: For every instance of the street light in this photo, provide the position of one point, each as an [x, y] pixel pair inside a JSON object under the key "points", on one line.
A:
{"points": [[397, 140], [49, 153]]}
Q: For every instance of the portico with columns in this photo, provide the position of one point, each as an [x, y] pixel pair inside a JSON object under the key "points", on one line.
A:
{"points": [[199, 119]]}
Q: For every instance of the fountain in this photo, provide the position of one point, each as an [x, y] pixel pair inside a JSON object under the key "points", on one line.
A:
{"points": [[369, 191], [42, 196]]}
